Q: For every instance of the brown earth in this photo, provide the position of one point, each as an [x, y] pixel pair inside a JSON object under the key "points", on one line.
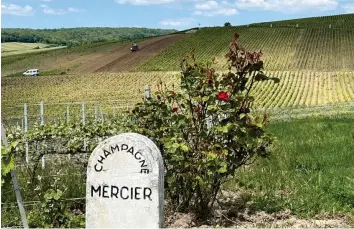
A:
{"points": [[234, 210], [114, 57], [122, 59], [260, 219]]}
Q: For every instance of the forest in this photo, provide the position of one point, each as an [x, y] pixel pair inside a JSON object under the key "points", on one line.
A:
{"points": [[78, 36]]}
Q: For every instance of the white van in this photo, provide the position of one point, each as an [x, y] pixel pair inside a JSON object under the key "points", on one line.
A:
{"points": [[31, 72]]}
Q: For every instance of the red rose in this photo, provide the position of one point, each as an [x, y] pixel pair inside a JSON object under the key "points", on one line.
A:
{"points": [[223, 96], [175, 109], [196, 110]]}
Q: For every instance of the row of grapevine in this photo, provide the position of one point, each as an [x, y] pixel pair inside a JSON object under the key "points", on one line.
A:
{"points": [[283, 48], [112, 90], [335, 21], [67, 88], [324, 50], [109, 88], [213, 42], [306, 89]]}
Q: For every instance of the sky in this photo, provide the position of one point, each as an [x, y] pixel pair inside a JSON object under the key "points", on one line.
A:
{"points": [[165, 14]]}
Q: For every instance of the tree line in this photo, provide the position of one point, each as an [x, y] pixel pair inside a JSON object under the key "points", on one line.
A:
{"points": [[78, 36]]}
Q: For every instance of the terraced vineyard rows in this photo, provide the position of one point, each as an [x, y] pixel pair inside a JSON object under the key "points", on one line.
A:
{"points": [[315, 65], [324, 49], [284, 48], [121, 89], [209, 42], [336, 21], [296, 89]]}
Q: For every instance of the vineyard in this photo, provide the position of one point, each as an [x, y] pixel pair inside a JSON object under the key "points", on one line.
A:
{"points": [[119, 90], [287, 49], [284, 47], [310, 171], [336, 21]]}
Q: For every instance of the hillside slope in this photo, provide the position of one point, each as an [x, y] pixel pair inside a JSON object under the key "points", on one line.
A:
{"points": [[314, 47], [334, 21], [298, 44], [147, 49], [314, 66], [300, 90], [61, 59], [284, 48], [112, 57], [16, 48]]}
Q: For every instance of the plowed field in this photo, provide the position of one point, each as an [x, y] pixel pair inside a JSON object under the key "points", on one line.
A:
{"points": [[123, 59], [120, 58]]}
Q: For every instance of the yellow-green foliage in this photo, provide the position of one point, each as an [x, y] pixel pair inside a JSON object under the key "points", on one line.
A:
{"points": [[284, 48], [14, 48], [305, 89], [119, 89], [19, 46], [336, 21], [104, 88]]}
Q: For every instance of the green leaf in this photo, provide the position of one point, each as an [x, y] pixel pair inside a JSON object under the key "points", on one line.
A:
{"points": [[184, 148], [58, 194], [259, 124], [181, 122], [217, 146], [222, 169], [171, 180], [205, 98], [47, 196], [14, 144], [211, 156], [225, 129], [175, 145], [212, 108], [199, 180]]}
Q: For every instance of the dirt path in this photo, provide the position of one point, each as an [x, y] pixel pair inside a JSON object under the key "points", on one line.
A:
{"points": [[122, 59]]}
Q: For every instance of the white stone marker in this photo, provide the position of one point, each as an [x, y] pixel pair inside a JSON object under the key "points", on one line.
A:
{"points": [[125, 184]]}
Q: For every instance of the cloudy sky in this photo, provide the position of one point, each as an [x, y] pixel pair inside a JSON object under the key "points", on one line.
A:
{"points": [[176, 14]]}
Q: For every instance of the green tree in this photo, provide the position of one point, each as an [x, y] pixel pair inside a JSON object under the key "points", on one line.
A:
{"points": [[198, 157], [227, 24], [77, 36]]}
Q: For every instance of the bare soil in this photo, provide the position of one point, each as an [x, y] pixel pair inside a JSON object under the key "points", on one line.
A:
{"points": [[123, 59], [111, 57], [233, 211]]}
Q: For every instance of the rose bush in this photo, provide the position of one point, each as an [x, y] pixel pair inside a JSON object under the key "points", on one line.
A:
{"points": [[205, 131]]}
